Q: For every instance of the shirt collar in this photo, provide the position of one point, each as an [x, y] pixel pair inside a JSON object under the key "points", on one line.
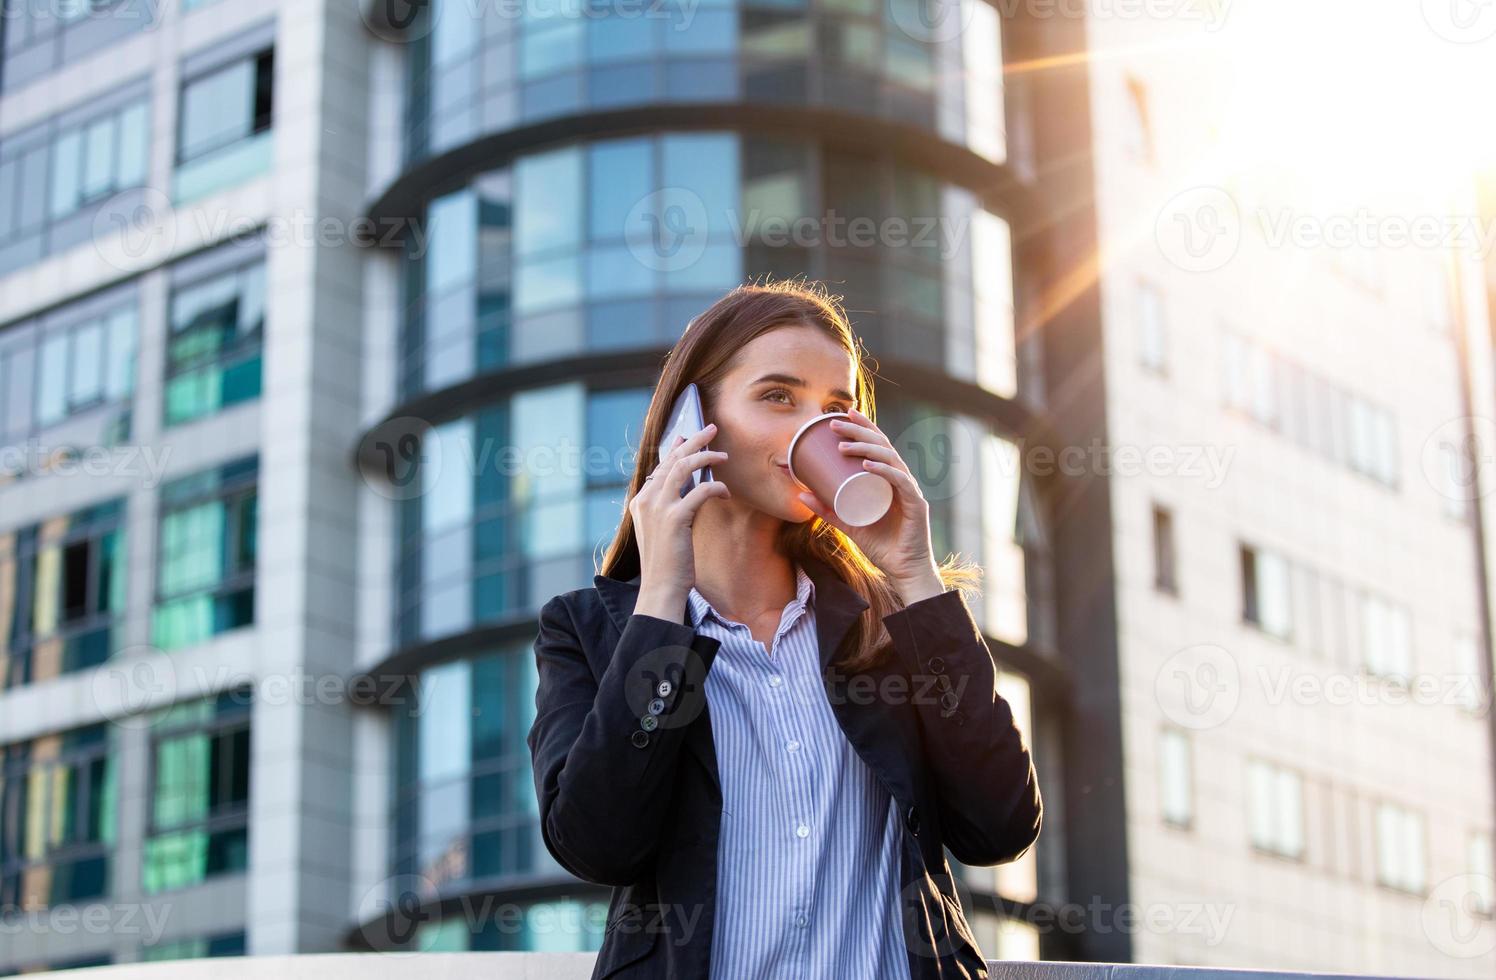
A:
{"points": [[805, 590]]}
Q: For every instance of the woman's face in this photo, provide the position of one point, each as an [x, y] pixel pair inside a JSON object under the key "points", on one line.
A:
{"points": [[782, 379]]}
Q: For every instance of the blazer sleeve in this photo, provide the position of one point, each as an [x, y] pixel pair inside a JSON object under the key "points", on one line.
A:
{"points": [[990, 808], [602, 798]]}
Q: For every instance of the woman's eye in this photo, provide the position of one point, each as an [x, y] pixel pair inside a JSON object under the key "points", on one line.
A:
{"points": [[781, 391]]}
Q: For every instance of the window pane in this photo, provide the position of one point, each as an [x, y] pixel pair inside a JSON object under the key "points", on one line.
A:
{"points": [[707, 163], [217, 109], [98, 157], [548, 201], [619, 177], [133, 146], [87, 382], [66, 176], [51, 400]]}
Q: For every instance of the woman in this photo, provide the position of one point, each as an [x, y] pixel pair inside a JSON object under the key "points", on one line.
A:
{"points": [[760, 725]]}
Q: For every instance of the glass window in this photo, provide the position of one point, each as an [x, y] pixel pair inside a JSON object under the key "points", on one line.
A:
{"points": [[1165, 575], [1266, 601], [548, 198], [217, 109], [213, 356], [72, 569], [1481, 871], [1151, 334], [98, 157], [1275, 798], [205, 555], [199, 815], [222, 130], [1400, 848], [59, 795], [464, 797], [620, 175], [67, 159], [996, 344], [1175, 780]]}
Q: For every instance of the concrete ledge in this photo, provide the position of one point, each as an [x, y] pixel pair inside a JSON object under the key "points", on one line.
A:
{"points": [[576, 966]]}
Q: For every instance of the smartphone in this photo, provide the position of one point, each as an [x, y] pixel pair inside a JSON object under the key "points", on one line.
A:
{"points": [[686, 419]]}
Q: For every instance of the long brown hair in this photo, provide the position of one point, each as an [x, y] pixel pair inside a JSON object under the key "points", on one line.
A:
{"points": [[705, 353]]}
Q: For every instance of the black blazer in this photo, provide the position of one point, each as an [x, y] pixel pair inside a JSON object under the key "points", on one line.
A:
{"points": [[636, 803]]}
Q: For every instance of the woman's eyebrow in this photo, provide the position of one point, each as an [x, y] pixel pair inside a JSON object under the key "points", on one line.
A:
{"points": [[794, 382]]}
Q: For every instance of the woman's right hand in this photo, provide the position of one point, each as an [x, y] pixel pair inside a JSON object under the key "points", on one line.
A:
{"points": [[662, 519]]}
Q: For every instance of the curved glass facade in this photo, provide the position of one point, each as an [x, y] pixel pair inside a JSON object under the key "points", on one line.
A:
{"points": [[613, 244], [485, 69], [463, 799], [514, 498]]}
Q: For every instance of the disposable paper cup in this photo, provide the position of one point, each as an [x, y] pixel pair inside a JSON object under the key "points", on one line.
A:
{"points": [[856, 496]]}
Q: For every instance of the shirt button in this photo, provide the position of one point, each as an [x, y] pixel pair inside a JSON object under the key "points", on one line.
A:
{"points": [[664, 689], [802, 831], [799, 920], [640, 739], [649, 723], [775, 681], [657, 706], [793, 745]]}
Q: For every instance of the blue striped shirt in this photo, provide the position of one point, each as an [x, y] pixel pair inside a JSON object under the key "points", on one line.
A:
{"points": [[808, 857]]}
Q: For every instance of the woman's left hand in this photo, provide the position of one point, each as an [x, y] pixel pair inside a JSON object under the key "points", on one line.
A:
{"points": [[898, 542]]}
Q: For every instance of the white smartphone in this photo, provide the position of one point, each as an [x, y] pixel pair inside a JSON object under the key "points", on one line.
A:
{"points": [[686, 419]]}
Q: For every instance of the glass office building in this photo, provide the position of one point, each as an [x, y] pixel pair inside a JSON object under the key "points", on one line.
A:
{"points": [[283, 285]]}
